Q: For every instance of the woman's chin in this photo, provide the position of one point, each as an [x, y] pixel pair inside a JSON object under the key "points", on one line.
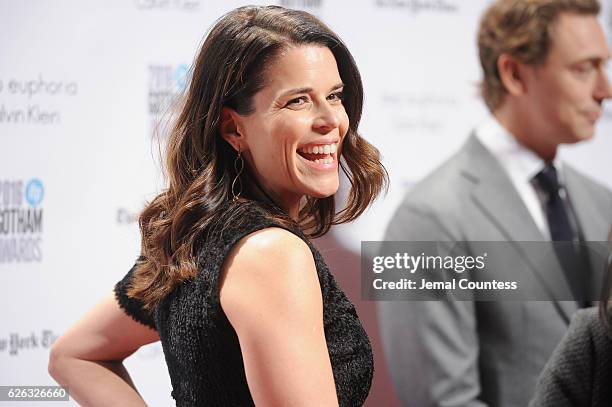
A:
{"points": [[323, 192]]}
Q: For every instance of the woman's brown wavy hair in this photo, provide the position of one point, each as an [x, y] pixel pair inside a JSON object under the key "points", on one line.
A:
{"points": [[228, 71]]}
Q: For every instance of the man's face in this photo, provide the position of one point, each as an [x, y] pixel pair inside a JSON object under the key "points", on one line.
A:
{"points": [[564, 95]]}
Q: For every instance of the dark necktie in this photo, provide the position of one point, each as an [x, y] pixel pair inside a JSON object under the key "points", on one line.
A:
{"points": [[572, 259]]}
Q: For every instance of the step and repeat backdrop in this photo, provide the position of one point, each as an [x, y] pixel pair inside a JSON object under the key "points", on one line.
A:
{"points": [[83, 90]]}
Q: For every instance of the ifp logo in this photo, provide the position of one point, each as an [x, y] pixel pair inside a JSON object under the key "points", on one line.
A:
{"points": [[180, 77], [34, 192], [21, 220], [166, 83]]}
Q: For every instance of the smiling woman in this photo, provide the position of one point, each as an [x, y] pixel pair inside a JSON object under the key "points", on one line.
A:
{"points": [[245, 307], [298, 120]]}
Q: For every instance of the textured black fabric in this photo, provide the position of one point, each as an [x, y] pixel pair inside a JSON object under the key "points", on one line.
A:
{"points": [[132, 306], [201, 347], [579, 373]]}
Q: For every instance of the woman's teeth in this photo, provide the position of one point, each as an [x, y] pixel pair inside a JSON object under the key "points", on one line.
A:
{"points": [[321, 149], [327, 160], [320, 154]]}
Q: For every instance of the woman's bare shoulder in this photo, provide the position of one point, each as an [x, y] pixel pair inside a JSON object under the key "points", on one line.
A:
{"points": [[270, 268]]}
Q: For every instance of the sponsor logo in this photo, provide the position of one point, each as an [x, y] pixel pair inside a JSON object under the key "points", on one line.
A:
{"points": [[302, 4], [17, 343], [21, 220], [420, 6], [416, 112], [166, 83], [27, 96], [126, 217], [182, 5]]}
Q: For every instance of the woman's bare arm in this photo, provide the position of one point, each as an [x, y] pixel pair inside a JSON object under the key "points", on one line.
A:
{"points": [[88, 358], [271, 294]]}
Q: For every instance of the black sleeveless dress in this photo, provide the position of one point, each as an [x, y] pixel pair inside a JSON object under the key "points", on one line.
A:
{"points": [[201, 348]]}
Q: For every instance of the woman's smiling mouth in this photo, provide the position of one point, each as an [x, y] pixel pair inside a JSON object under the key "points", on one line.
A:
{"points": [[321, 156]]}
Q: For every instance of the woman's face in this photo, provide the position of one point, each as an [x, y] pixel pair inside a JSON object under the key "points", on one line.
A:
{"points": [[292, 140]]}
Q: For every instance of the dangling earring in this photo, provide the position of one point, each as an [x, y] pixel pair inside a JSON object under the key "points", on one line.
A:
{"points": [[238, 167]]}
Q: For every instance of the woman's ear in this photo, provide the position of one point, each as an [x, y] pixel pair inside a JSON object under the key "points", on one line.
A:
{"points": [[228, 127]]}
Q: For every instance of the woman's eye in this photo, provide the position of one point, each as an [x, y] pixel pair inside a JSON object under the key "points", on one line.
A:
{"points": [[302, 100], [336, 96]]}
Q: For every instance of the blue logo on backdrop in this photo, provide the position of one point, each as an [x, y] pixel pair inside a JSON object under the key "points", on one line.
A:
{"points": [[180, 76], [21, 220], [34, 192], [166, 84]]}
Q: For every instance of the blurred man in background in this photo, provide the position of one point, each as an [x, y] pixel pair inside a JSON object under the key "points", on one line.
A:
{"points": [[544, 84]]}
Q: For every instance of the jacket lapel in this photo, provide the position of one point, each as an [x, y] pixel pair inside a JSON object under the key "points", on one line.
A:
{"points": [[593, 224], [495, 196]]}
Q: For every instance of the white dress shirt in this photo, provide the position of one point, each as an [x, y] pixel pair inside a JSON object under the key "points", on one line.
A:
{"points": [[520, 164]]}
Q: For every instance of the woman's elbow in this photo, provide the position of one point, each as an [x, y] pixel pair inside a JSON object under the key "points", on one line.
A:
{"points": [[54, 365], [58, 361]]}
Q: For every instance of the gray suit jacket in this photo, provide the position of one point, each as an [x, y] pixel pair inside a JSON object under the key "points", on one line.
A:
{"points": [[470, 353]]}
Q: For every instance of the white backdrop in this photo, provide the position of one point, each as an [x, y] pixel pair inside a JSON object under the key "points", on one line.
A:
{"points": [[81, 86]]}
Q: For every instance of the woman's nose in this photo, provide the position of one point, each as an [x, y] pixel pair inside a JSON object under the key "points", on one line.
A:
{"points": [[326, 120]]}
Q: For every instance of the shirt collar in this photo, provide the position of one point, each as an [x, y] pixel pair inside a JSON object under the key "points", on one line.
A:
{"points": [[521, 163]]}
